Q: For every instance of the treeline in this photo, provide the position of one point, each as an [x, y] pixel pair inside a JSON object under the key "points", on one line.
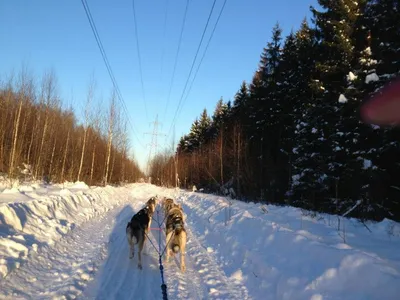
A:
{"points": [[293, 135], [41, 140]]}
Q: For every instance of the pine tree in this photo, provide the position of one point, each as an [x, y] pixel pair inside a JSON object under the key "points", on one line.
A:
{"points": [[308, 171], [240, 104], [194, 137], [220, 114], [383, 22], [335, 32], [264, 115], [204, 127]]}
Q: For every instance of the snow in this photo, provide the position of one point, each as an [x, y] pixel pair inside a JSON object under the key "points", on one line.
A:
{"points": [[68, 241], [352, 208], [342, 99], [367, 164], [351, 76], [39, 215], [371, 77]]}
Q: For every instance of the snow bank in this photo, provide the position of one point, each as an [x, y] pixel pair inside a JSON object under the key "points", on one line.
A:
{"points": [[38, 215], [280, 253], [371, 77]]}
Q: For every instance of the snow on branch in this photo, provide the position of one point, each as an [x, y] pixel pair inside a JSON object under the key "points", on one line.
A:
{"points": [[353, 208]]}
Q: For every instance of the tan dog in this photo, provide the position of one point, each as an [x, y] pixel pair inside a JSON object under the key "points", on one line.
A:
{"points": [[167, 205], [176, 234]]}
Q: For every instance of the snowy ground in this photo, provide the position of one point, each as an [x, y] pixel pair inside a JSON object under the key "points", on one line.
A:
{"points": [[68, 241]]}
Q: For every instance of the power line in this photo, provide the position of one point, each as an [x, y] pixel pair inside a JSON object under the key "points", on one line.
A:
{"points": [[140, 60], [108, 66], [194, 60], [176, 57], [164, 33], [204, 54]]}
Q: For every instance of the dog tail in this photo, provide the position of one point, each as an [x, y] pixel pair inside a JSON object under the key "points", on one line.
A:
{"points": [[175, 248], [131, 237]]}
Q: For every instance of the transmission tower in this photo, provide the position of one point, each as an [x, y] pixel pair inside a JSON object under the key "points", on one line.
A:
{"points": [[153, 145]]}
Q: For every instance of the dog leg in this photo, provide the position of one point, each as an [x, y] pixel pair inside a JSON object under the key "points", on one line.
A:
{"points": [[141, 244], [182, 238], [131, 245], [131, 250], [168, 240]]}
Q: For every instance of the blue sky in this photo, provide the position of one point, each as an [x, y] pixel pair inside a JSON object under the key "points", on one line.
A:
{"points": [[49, 34]]}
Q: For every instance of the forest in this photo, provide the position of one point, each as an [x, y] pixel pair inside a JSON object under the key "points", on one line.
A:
{"points": [[42, 140], [293, 135]]}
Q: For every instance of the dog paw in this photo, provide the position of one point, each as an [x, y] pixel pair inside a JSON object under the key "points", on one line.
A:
{"points": [[131, 256], [140, 266], [183, 268]]}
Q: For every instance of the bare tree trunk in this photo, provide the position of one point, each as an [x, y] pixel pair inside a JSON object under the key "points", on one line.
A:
{"points": [[65, 156], [15, 138], [52, 157], [49, 100], [92, 167], [38, 164], [2, 162], [123, 166], [30, 147], [87, 108], [176, 157], [112, 167], [110, 137], [82, 153]]}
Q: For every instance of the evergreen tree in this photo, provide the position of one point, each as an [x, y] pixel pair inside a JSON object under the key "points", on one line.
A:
{"points": [[335, 33], [383, 22], [300, 119], [240, 104], [308, 173], [220, 114], [204, 128], [193, 141]]}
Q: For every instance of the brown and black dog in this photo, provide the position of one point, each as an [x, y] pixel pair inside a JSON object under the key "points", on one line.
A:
{"points": [[136, 232], [167, 205], [175, 233]]}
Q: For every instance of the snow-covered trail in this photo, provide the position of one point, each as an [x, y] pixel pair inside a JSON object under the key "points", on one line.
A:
{"points": [[119, 277], [91, 262], [278, 254]]}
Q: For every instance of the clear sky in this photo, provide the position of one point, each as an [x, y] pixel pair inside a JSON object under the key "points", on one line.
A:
{"points": [[47, 34]]}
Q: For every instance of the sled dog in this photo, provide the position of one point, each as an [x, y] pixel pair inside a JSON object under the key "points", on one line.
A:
{"points": [[151, 204], [175, 234], [136, 231], [167, 205]]}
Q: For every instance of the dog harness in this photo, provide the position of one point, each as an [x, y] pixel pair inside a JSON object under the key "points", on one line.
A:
{"points": [[175, 222]]}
